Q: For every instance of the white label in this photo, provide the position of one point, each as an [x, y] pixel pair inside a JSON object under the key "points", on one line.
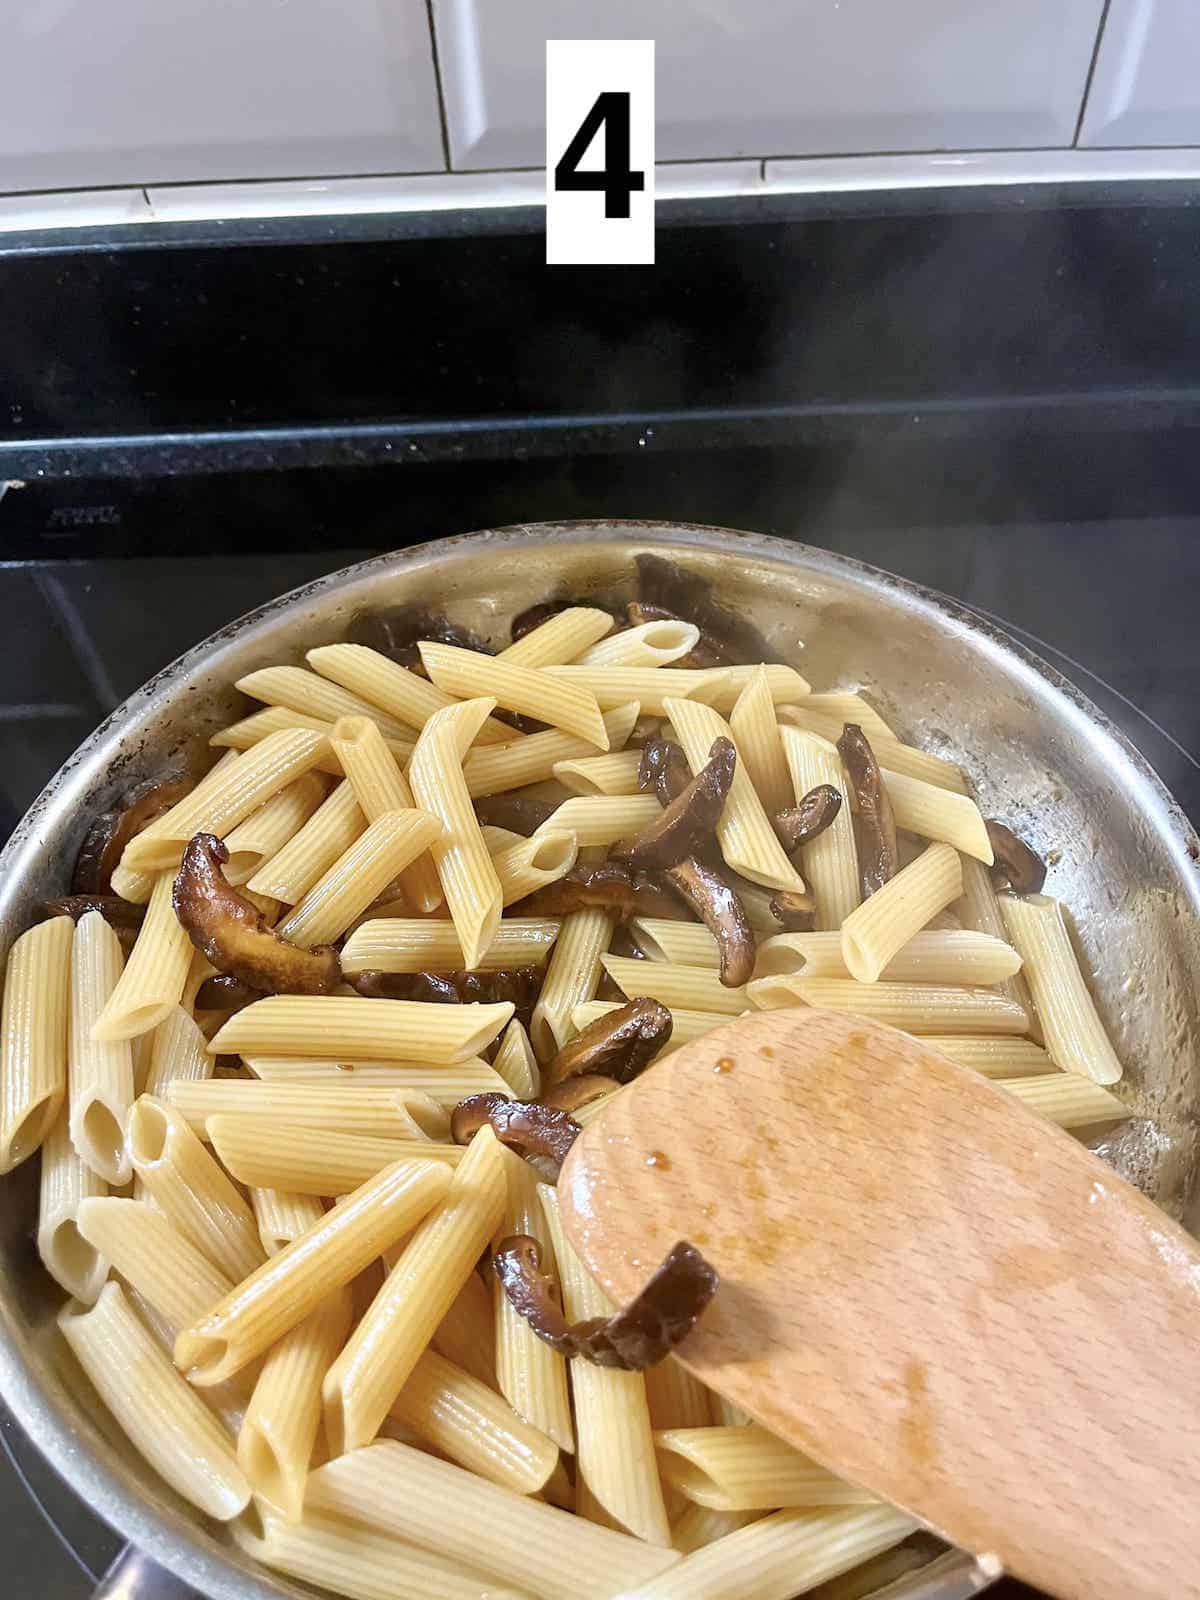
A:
{"points": [[599, 152]]}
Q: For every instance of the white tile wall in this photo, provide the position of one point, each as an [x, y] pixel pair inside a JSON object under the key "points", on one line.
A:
{"points": [[150, 91], [1146, 87], [780, 77]]}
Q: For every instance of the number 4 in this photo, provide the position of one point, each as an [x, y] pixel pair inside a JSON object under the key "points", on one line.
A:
{"points": [[617, 181]]}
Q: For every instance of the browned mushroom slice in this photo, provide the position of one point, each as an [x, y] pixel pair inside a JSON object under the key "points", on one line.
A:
{"points": [[516, 812], [527, 1126], [225, 993], [122, 916], [878, 856], [794, 911], [572, 1093], [644, 1333], [721, 912], [802, 823], [610, 886], [521, 985], [617, 1045], [233, 933], [397, 630], [105, 841], [1023, 867], [664, 770], [688, 823], [727, 636]]}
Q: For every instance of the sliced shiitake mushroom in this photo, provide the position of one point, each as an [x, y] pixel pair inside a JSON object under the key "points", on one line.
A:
{"points": [[517, 812], [722, 913], [610, 886], [653, 1324], [808, 819], [878, 855], [234, 935], [395, 631], [663, 770], [617, 1045], [794, 910], [223, 992], [726, 636], [105, 841], [572, 1093], [521, 985], [527, 1126], [1024, 868], [689, 821]]}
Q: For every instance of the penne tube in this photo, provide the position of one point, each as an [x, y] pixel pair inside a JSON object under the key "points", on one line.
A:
{"points": [[562, 637], [469, 676], [520, 1540], [155, 1258], [466, 1335], [691, 988], [744, 832], [178, 1053], [994, 1058], [226, 797], [164, 1419], [725, 684], [748, 1469], [265, 832], [529, 864], [33, 1037], [875, 931], [698, 1526], [842, 706], [1067, 1098], [151, 983], [417, 944], [467, 1422], [287, 1287], [780, 1556], [282, 1216], [1074, 1034], [756, 734], [955, 956], [190, 1187], [379, 787], [313, 849], [363, 1383], [296, 689], [389, 844], [136, 887], [265, 1153], [572, 976], [252, 730], [275, 1442], [416, 1084], [614, 1447], [516, 1062], [366, 1030], [936, 813], [473, 894], [919, 1008], [725, 1414], [585, 1114], [905, 759], [649, 686], [362, 1563], [66, 1183], [369, 1108], [601, 819], [831, 860], [686, 1025], [532, 759], [402, 694], [531, 1375], [649, 644], [685, 944], [590, 775], [676, 1399], [100, 1074], [979, 908]]}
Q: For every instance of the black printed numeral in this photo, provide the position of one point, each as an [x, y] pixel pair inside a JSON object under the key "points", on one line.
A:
{"points": [[617, 181]]}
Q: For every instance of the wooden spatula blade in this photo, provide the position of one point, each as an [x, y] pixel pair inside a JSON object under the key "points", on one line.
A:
{"points": [[923, 1285]]}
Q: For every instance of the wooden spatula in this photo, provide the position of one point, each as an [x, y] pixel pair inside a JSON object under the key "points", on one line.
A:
{"points": [[924, 1286]]}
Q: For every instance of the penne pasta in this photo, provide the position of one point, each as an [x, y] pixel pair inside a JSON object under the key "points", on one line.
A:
{"points": [[252, 730], [686, 944], [905, 759], [522, 1541], [756, 734], [529, 864], [725, 684], [416, 1084], [190, 1187], [516, 1062], [831, 860], [676, 1399], [154, 1257], [136, 887], [649, 644], [691, 988], [572, 975], [614, 1447], [979, 908], [283, 1216], [379, 787], [562, 637], [276, 1439], [66, 1183], [363, 1383], [995, 1058], [748, 1469], [744, 832], [531, 1376], [388, 845], [936, 813], [296, 689], [725, 1414], [601, 819], [875, 931], [1067, 1098], [844, 706], [178, 1054], [649, 686], [33, 1037], [151, 984], [366, 1030], [590, 775], [955, 956], [313, 849], [369, 1108], [415, 944], [402, 694], [698, 1526], [165, 1420], [532, 759], [591, 1110], [919, 1008], [466, 1335], [685, 1025], [469, 675], [266, 1153], [287, 1287], [1074, 1034], [100, 1074], [265, 832]]}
